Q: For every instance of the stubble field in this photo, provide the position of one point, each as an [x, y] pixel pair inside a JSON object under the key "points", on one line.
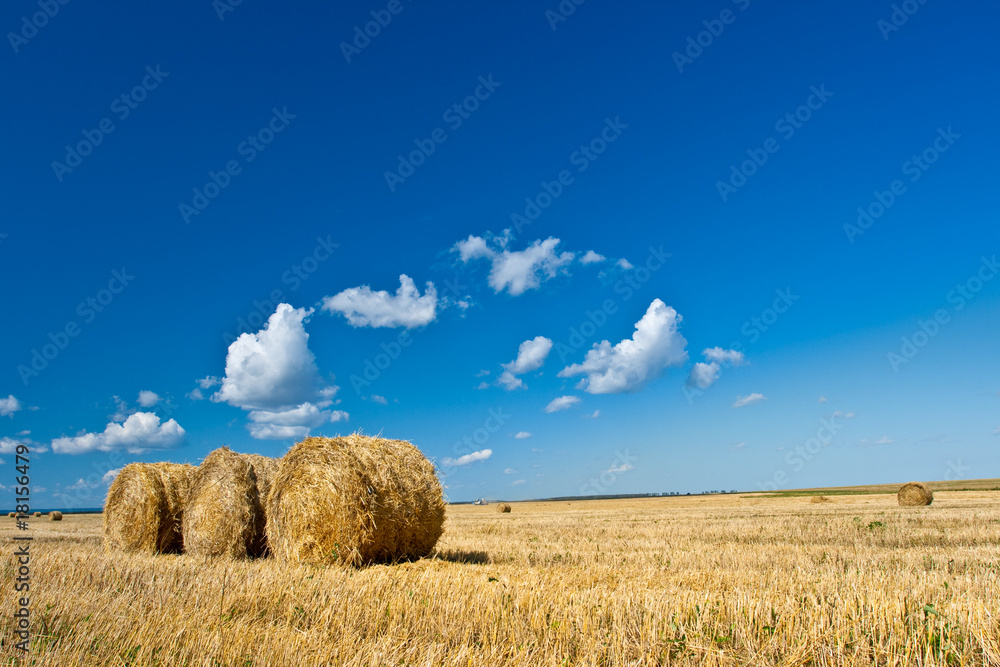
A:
{"points": [[715, 580]]}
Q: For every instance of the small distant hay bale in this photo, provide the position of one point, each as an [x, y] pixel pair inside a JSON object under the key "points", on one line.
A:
{"points": [[914, 494], [37, 514], [224, 511], [819, 499], [354, 500], [55, 516], [145, 507], [12, 514], [503, 508]]}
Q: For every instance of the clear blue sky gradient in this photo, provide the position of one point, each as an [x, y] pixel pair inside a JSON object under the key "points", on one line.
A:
{"points": [[888, 93]]}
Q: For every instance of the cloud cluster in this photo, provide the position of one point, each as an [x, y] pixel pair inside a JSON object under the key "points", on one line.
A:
{"points": [[141, 432], [531, 354], [656, 345], [364, 307], [273, 374], [516, 271], [9, 405], [704, 374]]}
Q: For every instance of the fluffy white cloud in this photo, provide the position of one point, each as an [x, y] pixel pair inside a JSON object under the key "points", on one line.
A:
{"points": [[110, 475], [516, 270], [465, 460], [148, 399], [561, 403], [9, 446], [625, 264], [277, 432], [521, 435], [531, 354], [141, 432], [742, 401], [9, 405], [306, 414], [656, 345], [196, 395], [592, 257], [379, 399], [366, 308], [703, 375]]}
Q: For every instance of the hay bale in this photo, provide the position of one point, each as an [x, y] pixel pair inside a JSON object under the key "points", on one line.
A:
{"points": [[914, 494], [55, 516], [36, 514], [12, 514], [503, 508], [145, 507], [819, 499], [354, 500], [224, 512]]}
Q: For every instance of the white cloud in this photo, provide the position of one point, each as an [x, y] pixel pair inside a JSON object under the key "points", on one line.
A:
{"points": [[704, 375], [617, 470], [884, 440], [483, 385], [482, 373], [517, 482], [339, 415], [9, 405], [148, 399], [625, 264], [110, 475], [306, 414], [592, 257], [531, 354], [597, 413], [822, 399], [10, 445], [209, 381], [562, 403], [379, 399], [656, 345], [845, 415], [365, 308], [277, 432], [196, 395], [122, 410], [141, 432], [521, 435], [748, 400], [38, 489], [509, 471], [465, 460], [516, 270]]}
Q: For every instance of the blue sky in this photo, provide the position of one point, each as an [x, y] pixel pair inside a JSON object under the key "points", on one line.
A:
{"points": [[561, 248]]}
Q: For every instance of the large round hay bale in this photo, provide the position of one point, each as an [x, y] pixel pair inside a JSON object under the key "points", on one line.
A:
{"points": [[55, 516], [503, 508], [145, 507], [224, 512], [914, 494], [354, 500]]}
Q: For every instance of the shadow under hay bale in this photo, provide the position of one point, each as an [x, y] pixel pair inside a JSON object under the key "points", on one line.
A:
{"points": [[354, 500], [224, 511], [55, 516], [145, 507], [503, 508], [915, 494]]}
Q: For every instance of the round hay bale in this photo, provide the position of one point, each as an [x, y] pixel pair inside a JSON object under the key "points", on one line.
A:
{"points": [[36, 514], [145, 507], [224, 512], [819, 499], [12, 514], [503, 508], [354, 500], [914, 494], [55, 516]]}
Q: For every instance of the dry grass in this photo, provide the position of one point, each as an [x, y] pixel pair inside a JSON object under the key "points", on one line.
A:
{"points": [[354, 500], [682, 581]]}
